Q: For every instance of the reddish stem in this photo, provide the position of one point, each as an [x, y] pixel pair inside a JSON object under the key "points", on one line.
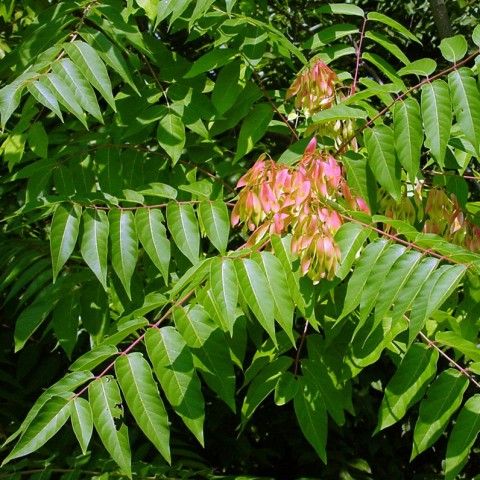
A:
{"points": [[358, 54]]}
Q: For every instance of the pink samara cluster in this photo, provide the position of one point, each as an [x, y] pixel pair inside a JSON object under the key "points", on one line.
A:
{"points": [[278, 198]]}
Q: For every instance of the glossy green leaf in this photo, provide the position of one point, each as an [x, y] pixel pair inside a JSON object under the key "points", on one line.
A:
{"points": [[412, 287], [341, 9], [94, 357], [38, 140], [380, 141], [466, 104], [171, 135], [443, 398], [91, 65], [393, 24], [64, 95], [94, 242], [153, 237], [262, 385], [210, 351], [286, 388], [224, 287], [434, 292], [339, 112], [50, 418], [110, 54], [106, 402], [451, 339], [363, 269], [453, 48], [476, 36], [253, 128], [84, 94], [63, 235], [143, 399], [10, 97], [437, 118], [423, 67], [278, 285], [388, 45], [214, 217], [254, 289], [82, 421], [173, 365], [408, 134], [462, 438], [124, 242], [183, 226], [350, 238], [311, 415], [44, 95], [210, 61], [63, 386], [395, 281], [407, 386], [228, 86]]}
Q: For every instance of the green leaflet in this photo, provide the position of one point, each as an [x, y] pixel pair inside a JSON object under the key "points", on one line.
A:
{"points": [[210, 61], [453, 48], [213, 215], [394, 282], [65, 95], [228, 86], [82, 421], [311, 415], [93, 358], [106, 402], [64, 386], [257, 295], [278, 285], [412, 287], [408, 384], [143, 399], [10, 97], [376, 278], [388, 45], [341, 9], [38, 140], [281, 249], [110, 54], [171, 135], [123, 237], [437, 118], [63, 235], [398, 27], [65, 321], [50, 418], [350, 238], [462, 438], [423, 67], [408, 134], [443, 398], [91, 65], [183, 226], [466, 104], [363, 268], [94, 243], [44, 95], [380, 141], [224, 291], [262, 385], [153, 237], [173, 365], [84, 94], [253, 129], [209, 349], [434, 292], [452, 339], [286, 388]]}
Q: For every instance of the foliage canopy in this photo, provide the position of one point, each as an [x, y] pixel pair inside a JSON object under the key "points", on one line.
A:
{"points": [[202, 215]]}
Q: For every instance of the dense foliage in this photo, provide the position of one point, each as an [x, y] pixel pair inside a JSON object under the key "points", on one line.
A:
{"points": [[234, 248]]}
